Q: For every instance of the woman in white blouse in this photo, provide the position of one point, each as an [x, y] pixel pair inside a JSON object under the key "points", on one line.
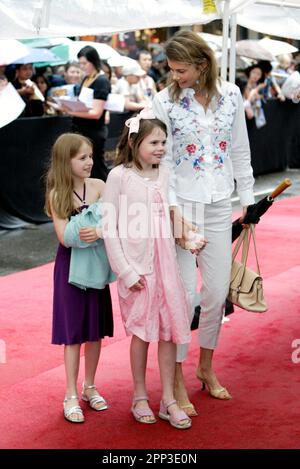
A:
{"points": [[208, 149]]}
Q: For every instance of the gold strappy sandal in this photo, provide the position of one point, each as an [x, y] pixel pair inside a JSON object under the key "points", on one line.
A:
{"points": [[188, 408], [218, 393]]}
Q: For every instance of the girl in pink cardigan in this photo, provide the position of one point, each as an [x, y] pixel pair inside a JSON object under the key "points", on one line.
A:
{"points": [[141, 250]]}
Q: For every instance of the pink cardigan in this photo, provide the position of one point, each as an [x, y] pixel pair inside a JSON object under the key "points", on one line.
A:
{"points": [[131, 252]]}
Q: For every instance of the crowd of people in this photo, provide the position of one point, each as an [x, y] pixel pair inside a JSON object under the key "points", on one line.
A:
{"points": [[138, 80], [260, 83], [133, 81]]}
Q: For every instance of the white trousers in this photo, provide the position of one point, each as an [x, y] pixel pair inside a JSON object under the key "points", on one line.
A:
{"points": [[214, 262]]}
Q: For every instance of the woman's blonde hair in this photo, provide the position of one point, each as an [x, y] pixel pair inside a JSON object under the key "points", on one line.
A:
{"points": [[128, 146], [59, 182], [189, 48]]}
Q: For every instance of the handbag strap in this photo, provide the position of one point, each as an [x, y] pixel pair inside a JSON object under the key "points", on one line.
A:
{"points": [[244, 239], [239, 243], [252, 232]]}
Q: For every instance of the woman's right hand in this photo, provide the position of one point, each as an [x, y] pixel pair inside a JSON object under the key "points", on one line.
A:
{"points": [[181, 226], [187, 229], [195, 242], [137, 286], [183, 232]]}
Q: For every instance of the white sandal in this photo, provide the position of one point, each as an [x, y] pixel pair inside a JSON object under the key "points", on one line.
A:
{"points": [[75, 409], [93, 400]]}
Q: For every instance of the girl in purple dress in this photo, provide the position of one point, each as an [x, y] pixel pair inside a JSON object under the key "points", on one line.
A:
{"points": [[79, 315]]}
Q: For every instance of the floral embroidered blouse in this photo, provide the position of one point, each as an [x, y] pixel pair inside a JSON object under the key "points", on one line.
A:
{"points": [[206, 151]]}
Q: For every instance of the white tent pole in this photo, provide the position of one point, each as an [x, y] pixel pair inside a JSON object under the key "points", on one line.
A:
{"points": [[232, 60], [225, 40]]}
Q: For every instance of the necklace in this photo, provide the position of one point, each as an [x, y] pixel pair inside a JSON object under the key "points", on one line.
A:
{"points": [[89, 80], [201, 93], [83, 196]]}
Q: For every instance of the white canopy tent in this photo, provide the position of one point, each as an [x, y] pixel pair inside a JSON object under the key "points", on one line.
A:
{"points": [[52, 18], [274, 17]]}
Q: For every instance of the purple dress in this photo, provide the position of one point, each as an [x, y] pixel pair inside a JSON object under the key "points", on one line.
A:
{"points": [[78, 315]]}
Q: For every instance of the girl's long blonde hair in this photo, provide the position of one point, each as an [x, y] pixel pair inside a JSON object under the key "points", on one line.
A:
{"points": [[189, 48], [128, 146], [59, 182]]}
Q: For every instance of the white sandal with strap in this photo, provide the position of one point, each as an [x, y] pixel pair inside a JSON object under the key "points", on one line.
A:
{"points": [[75, 409], [141, 413], [94, 400]]}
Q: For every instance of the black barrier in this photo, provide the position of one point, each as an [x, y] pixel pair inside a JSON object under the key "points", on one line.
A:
{"points": [[292, 142], [25, 148], [115, 128]]}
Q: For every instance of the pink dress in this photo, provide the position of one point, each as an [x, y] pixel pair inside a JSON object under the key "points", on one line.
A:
{"points": [[160, 311]]}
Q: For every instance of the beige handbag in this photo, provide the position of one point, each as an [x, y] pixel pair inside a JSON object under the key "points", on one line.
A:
{"points": [[246, 286]]}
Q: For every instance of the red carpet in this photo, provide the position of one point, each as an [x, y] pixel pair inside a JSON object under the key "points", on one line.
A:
{"points": [[254, 360]]}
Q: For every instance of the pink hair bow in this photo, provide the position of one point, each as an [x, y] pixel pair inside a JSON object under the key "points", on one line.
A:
{"points": [[134, 122]]}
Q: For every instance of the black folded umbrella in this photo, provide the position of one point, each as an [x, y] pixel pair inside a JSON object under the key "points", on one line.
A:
{"points": [[254, 212]]}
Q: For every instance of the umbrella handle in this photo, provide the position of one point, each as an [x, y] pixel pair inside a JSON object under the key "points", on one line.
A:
{"points": [[280, 188]]}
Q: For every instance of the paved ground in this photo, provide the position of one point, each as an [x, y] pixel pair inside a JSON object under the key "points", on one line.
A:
{"points": [[35, 245]]}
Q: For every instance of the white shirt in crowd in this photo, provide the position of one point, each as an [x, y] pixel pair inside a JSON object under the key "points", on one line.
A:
{"points": [[146, 87], [129, 91], [291, 87]]}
